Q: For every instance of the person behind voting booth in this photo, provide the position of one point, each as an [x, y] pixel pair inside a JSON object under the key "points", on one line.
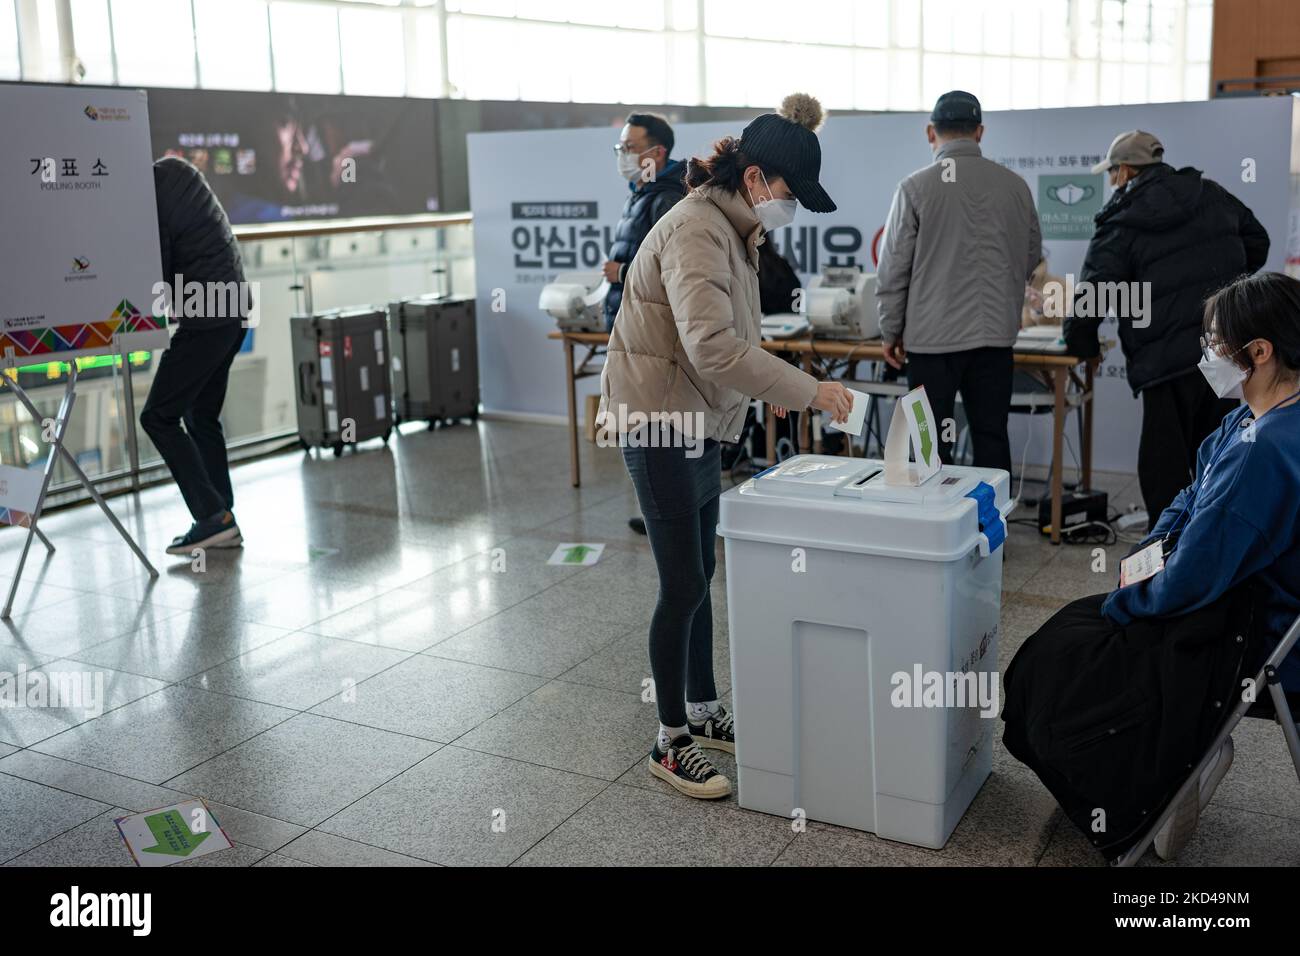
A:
{"points": [[1116, 696], [1183, 236], [644, 151], [684, 359], [190, 384], [961, 240]]}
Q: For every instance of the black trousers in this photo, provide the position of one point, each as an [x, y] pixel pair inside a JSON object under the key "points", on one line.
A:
{"points": [[679, 499], [190, 386], [1177, 416], [983, 377]]}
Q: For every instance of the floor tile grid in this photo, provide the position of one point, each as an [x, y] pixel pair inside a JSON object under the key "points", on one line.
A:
{"points": [[240, 743], [520, 532], [606, 783]]}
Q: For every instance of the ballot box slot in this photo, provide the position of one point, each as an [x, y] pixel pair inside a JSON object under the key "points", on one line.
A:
{"points": [[865, 478]]}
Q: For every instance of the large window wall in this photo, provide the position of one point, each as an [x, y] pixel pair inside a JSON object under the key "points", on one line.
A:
{"points": [[855, 54]]}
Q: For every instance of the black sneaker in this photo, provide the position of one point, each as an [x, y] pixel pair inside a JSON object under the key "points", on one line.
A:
{"points": [[688, 770], [219, 532], [716, 731], [637, 524]]}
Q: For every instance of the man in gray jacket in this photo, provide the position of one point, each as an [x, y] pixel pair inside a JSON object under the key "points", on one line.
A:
{"points": [[961, 241]]}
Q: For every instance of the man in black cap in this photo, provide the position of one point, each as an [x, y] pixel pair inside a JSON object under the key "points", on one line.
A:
{"points": [[961, 240]]}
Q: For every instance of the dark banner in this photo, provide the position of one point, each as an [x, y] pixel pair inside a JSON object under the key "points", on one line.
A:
{"points": [[279, 157]]}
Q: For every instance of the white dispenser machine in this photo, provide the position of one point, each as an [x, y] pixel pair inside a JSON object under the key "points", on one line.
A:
{"points": [[864, 642], [576, 300], [841, 303]]}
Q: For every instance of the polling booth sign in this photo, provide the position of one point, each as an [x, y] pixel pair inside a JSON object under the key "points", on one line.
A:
{"points": [[80, 242], [79, 245], [546, 202]]}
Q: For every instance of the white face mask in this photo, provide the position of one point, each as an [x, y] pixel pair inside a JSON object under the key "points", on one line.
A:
{"points": [[773, 213], [629, 165], [1223, 374]]}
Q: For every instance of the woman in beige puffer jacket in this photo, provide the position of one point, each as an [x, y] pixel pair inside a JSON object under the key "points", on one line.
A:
{"points": [[684, 361]]}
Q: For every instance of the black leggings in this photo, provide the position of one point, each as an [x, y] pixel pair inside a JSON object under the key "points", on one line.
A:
{"points": [[679, 500], [681, 629]]}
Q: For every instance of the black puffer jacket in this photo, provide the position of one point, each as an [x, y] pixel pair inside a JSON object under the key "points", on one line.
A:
{"points": [[195, 239], [644, 207], [777, 280], [1188, 237]]}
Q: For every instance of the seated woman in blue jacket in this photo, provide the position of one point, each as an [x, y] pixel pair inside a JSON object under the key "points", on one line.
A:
{"points": [[1237, 523]]}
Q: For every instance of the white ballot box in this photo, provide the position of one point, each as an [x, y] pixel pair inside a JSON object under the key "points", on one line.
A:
{"points": [[864, 621]]}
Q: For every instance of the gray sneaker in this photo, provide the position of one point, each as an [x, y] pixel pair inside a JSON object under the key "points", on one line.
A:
{"points": [[219, 532]]}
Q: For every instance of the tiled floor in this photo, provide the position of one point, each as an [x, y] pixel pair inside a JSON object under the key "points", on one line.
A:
{"points": [[389, 673]]}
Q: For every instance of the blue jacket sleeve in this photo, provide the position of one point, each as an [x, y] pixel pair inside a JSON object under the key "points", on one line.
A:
{"points": [[1217, 550]]}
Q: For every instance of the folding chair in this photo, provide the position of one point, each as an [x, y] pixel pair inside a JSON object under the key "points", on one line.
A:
{"points": [[1281, 710]]}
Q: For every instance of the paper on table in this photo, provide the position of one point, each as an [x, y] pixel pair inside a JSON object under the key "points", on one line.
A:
{"points": [[856, 417]]}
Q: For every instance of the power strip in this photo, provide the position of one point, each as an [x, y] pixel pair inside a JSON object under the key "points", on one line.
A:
{"points": [[1078, 507], [1134, 519]]}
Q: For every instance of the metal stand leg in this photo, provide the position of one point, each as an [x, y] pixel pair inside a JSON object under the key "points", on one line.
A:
{"points": [[44, 540], [60, 424], [128, 398], [57, 449], [1284, 717]]}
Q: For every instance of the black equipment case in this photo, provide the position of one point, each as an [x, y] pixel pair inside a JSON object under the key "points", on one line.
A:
{"points": [[435, 358], [341, 362]]}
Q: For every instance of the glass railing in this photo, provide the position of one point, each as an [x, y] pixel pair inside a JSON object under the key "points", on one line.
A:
{"points": [[295, 268]]}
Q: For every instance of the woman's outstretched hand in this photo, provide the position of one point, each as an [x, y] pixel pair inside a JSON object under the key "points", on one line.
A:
{"points": [[834, 398]]}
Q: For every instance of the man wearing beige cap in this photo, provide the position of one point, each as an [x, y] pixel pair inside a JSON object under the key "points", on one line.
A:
{"points": [[1174, 237], [1133, 150]]}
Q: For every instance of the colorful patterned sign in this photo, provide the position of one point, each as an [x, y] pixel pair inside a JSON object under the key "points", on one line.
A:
{"points": [[86, 336]]}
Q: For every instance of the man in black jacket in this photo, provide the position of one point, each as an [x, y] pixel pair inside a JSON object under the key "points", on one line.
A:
{"points": [[209, 300], [655, 181], [1186, 236]]}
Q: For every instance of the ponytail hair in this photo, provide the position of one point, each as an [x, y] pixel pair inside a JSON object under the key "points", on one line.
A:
{"points": [[724, 169]]}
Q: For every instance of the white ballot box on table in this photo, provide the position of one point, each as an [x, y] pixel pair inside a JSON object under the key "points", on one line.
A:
{"points": [[863, 627]]}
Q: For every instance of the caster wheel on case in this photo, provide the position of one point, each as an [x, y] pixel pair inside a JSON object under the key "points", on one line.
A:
{"points": [[387, 435], [338, 449]]}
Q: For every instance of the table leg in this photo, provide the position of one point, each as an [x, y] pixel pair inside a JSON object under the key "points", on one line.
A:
{"points": [[805, 419], [1058, 452], [575, 473], [1086, 452], [771, 433]]}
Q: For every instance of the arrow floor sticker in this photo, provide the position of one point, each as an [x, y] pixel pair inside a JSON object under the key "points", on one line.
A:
{"points": [[172, 834], [572, 553]]}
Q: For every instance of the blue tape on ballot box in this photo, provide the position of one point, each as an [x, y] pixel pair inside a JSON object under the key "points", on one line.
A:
{"points": [[990, 518]]}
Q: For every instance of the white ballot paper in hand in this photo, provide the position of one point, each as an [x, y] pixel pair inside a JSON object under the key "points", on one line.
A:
{"points": [[857, 417]]}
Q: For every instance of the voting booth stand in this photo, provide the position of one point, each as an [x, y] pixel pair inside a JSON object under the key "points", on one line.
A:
{"points": [[80, 247], [853, 586]]}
